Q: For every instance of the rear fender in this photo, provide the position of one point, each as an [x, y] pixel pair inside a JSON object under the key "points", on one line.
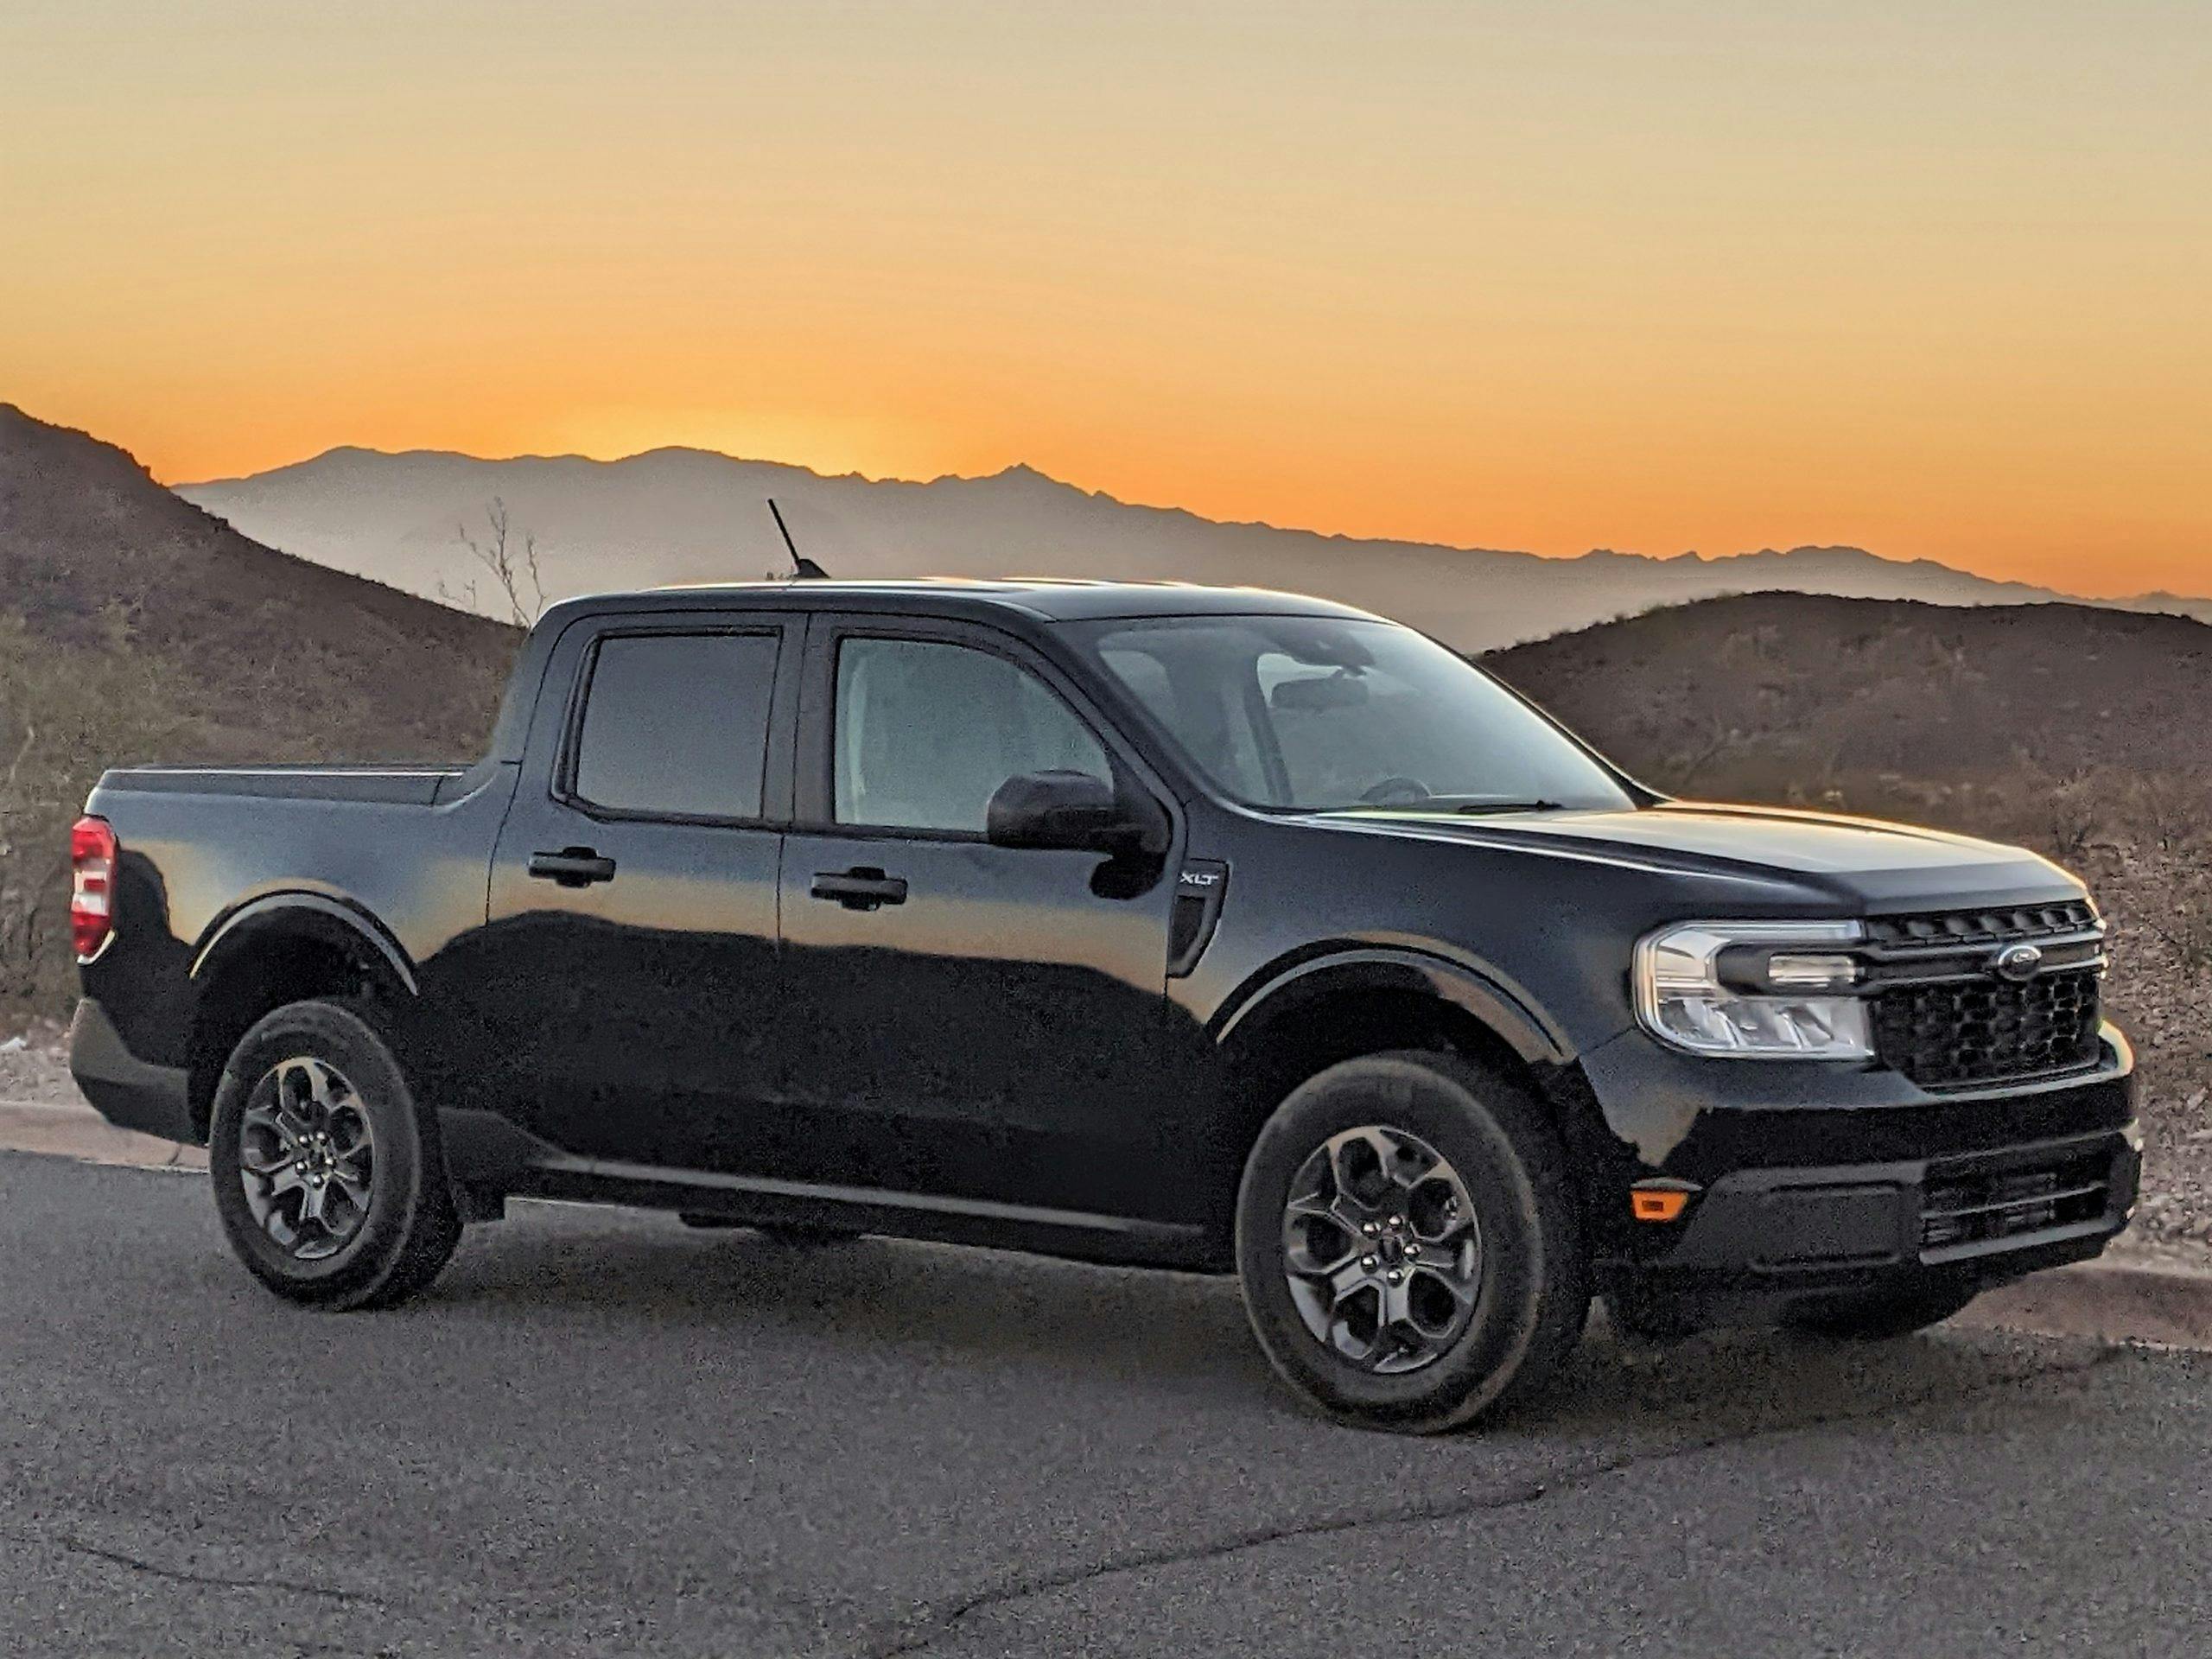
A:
{"points": [[312, 915]]}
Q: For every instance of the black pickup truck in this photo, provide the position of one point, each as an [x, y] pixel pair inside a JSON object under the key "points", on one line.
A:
{"points": [[1215, 930]]}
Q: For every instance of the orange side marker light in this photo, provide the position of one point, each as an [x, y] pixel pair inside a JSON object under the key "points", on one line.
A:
{"points": [[1658, 1203]]}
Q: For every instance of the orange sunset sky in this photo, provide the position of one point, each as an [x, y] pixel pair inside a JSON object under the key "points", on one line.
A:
{"points": [[1932, 278]]}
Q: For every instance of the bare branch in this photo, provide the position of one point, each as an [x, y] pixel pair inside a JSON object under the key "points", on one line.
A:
{"points": [[517, 574]]}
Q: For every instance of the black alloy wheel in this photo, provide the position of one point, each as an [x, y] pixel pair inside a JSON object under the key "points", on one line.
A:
{"points": [[1409, 1241], [328, 1174]]}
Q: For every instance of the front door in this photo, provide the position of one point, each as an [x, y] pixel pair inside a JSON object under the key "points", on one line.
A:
{"points": [[965, 1020], [632, 946]]}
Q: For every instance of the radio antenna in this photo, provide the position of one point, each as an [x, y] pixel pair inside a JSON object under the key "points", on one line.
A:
{"points": [[803, 569]]}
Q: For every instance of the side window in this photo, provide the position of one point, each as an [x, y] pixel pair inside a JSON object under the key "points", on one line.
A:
{"points": [[926, 733], [677, 725]]}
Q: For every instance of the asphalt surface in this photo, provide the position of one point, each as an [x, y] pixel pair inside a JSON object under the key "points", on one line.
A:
{"points": [[605, 1433]]}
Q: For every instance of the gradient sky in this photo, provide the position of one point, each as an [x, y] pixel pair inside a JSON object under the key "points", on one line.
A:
{"points": [[1933, 278]]}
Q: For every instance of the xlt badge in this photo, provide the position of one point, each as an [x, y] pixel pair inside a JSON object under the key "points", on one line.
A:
{"points": [[1198, 891]]}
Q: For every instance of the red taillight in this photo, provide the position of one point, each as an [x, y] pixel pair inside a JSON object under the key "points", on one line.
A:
{"points": [[92, 900]]}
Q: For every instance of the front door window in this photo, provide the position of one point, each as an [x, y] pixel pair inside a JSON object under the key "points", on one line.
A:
{"points": [[927, 732]]}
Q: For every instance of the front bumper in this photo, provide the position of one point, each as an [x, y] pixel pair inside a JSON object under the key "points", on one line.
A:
{"points": [[1968, 1218], [126, 1090], [1807, 1177]]}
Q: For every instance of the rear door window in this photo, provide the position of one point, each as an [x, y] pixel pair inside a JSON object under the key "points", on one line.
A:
{"points": [[676, 725]]}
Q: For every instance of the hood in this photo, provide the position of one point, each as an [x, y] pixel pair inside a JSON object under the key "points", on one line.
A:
{"points": [[1859, 861]]}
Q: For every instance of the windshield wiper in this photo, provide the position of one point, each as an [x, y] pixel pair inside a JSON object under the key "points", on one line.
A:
{"points": [[1476, 808], [1473, 805]]}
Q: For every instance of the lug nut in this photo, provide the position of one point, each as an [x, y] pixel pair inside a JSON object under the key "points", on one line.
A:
{"points": [[1394, 1275], [1369, 1227], [1413, 1252], [1397, 1220], [1367, 1261]]}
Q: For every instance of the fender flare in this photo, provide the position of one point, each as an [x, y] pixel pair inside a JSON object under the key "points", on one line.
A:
{"points": [[1390, 967], [332, 920]]}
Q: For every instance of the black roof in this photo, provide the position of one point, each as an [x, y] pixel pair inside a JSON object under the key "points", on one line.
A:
{"points": [[1044, 599]]}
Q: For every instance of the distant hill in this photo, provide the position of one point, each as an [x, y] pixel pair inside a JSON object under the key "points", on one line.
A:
{"points": [[135, 627], [688, 515], [256, 652], [1772, 696]]}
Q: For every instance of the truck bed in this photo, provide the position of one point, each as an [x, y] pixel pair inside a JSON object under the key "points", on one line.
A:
{"points": [[394, 786]]}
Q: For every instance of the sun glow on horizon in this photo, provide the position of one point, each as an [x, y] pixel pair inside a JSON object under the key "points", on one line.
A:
{"points": [[1696, 275]]}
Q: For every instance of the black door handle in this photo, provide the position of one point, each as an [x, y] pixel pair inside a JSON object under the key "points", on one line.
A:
{"points": [[572, 866], [865, 888]]}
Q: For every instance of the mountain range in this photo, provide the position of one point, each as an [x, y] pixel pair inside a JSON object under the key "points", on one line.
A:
{"points": [[688, 516]]}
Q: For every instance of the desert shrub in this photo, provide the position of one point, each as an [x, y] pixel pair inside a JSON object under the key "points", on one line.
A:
{"points": [[64, 713]]}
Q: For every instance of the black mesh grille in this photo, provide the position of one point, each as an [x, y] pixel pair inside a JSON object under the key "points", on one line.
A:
{"points": [[1965, 1202], [1979, 1029], [1954, 927]]}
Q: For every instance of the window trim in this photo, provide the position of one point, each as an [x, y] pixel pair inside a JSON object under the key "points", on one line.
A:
{"points": [[813, 807], [562, 786]]}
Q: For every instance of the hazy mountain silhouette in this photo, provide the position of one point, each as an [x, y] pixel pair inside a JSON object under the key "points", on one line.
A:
{"points": [[690, 515]]}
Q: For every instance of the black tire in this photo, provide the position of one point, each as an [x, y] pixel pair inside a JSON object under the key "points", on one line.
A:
{"points": [[393, 1244], [1876, 1317], [1530, 1274]]}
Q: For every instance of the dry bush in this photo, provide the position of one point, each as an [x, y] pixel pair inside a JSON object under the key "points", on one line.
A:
{"points": [[64, 716]]}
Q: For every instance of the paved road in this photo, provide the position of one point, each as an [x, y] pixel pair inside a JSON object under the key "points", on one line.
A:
{"points": [[603, 1433]]}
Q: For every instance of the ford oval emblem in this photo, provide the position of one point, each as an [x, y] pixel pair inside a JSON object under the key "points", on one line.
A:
{"points": [[2017, 963]]}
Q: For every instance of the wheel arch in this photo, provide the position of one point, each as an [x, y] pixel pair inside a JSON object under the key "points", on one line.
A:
{"points": [[1285, 991], [1311, 1015], [280, 948]]}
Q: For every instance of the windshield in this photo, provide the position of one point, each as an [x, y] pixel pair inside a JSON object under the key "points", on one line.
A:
{"points": [[1316, 714]]}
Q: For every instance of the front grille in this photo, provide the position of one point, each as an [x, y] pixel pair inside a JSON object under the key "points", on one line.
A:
{"points": [[1967, 1201], [2013, 924], [1945, 1018], [1966, 1031]]}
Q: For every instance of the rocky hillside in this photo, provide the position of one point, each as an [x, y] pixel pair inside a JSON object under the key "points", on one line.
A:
{"points": [[135, 627]]}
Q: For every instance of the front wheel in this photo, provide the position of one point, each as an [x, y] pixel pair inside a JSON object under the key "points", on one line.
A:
{"points": [[326, 1174], [1408, 1243]]}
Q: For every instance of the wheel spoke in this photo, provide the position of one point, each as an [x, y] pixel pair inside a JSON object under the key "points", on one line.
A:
{"points": [[1407, 1159], [286, 1177], [1463, 1285], [1359, 1161]]}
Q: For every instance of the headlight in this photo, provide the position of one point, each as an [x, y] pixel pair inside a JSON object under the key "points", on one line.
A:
{"points": [[1755, 990]]}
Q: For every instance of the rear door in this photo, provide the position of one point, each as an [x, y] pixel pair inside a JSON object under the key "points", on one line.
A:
{"points": [[632, 950], [968, 1020]]}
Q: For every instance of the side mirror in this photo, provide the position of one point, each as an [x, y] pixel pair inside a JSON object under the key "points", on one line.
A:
{"points": [[1070, 812]]}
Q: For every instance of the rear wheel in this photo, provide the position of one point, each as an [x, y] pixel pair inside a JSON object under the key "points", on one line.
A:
{"points": [[326, 1174], [1408, 1243], [1876, 1318]]}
